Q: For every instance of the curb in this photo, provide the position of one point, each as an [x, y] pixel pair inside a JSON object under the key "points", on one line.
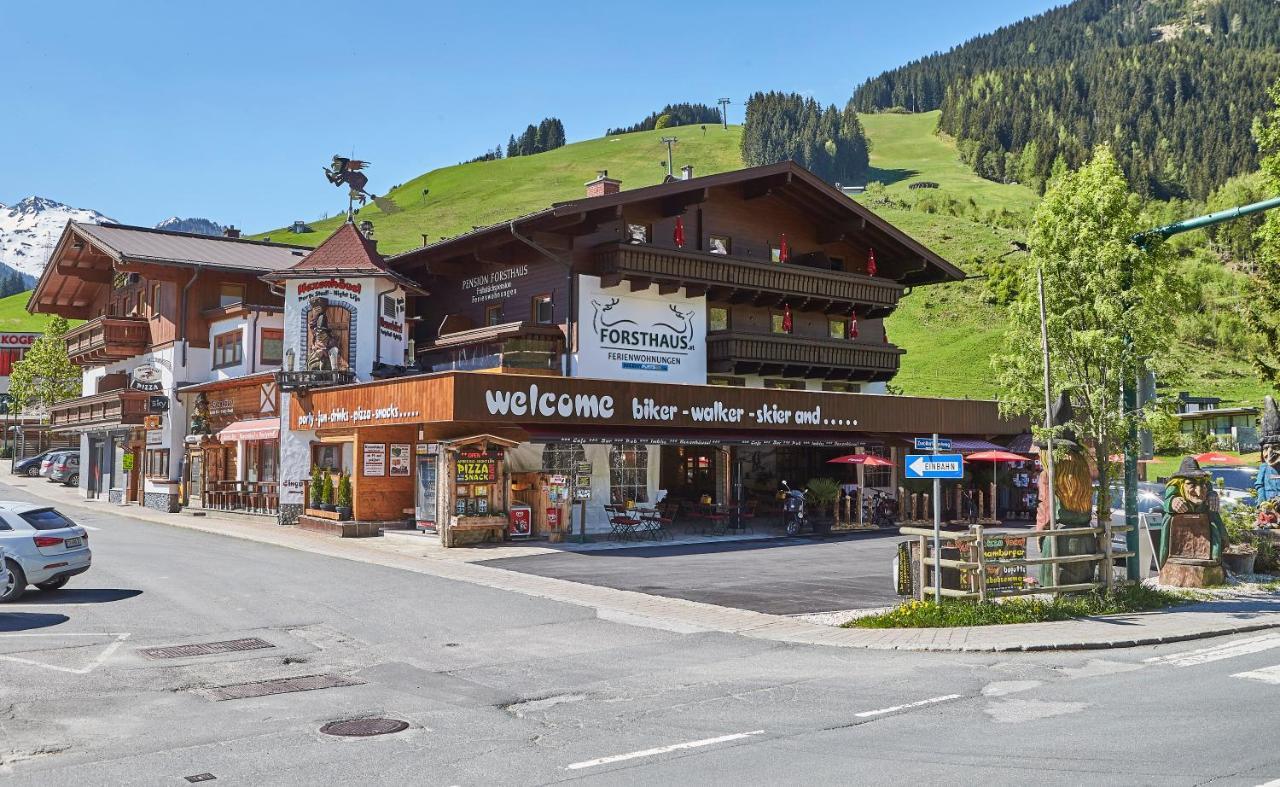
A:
{"points": [[660, 612]]}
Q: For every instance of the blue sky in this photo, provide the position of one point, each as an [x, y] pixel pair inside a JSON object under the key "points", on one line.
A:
{"points": [[227, 110]]}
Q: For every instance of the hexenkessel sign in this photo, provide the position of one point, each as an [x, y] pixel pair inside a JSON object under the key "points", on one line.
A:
{"points": [[640, 335]]}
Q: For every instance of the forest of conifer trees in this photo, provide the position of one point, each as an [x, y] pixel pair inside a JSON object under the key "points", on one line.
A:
{"points": [[828, 142]]}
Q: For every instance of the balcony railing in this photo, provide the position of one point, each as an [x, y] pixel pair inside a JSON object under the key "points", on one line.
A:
{"points": [[793, 356], [729, 278], [106, 339], [303, 380], [124, 407]]}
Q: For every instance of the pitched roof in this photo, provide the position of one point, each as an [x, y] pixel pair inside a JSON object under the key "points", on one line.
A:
{"points": [[144, 244], [344, 253]]}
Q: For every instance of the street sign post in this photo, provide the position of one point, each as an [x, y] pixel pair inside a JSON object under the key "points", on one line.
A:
{"points": [[933, 444], [937, 467]]}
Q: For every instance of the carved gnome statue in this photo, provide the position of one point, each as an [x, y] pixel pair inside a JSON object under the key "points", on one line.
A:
{"points": [[1193, 535], [1073, 501], [1267, 483]]}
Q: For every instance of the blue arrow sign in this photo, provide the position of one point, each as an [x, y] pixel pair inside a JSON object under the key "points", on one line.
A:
{"points": [[935, 466], [926, 444]]}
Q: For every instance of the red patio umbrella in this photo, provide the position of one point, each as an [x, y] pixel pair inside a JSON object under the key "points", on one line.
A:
{"points": [[866, 460], [1219, 458], [995, 457]]}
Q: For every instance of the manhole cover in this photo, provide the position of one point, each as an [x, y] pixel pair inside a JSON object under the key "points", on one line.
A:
{"points": [[264, 688], [363, 728], [206, 648]]}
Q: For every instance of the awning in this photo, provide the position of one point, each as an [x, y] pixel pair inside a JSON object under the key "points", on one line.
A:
{"points": [[966, 445], [256, 429]]}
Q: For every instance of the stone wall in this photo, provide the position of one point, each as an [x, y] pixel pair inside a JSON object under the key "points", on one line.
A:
{"points": [[162, 501]]}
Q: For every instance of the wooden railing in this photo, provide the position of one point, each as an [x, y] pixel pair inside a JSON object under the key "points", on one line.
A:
{"points": [[303, 380], [106, 339], [728, 351], [871, 296], [124, 406]]}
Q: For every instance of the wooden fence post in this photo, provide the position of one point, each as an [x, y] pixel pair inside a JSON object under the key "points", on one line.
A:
{"points": [[981, 544]]}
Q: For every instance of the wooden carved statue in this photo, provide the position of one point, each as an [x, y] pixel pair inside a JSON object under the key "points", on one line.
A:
{"points": [[1267, 483], [1193, 535], [1073, 502]]}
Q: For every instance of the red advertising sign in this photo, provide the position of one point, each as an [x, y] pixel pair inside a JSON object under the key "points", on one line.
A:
{"points": [[520, 522]]}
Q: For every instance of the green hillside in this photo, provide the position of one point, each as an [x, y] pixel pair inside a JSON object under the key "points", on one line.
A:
{"points": [[14, 316], [949, 332]]}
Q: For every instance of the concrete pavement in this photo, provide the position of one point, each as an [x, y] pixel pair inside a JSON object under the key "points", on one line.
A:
{"points": [[1207, 619]]}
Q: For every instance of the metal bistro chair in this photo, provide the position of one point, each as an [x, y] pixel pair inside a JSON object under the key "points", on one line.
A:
{"points": [[621, 526]]}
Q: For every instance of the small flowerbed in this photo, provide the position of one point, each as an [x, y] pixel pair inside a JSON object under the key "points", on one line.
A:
{"points": [[952, 613]]}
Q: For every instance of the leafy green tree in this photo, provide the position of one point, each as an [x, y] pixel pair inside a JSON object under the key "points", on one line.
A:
{"points": [[1099, 287], [1262, 309], [662, 122], [45, 375]]}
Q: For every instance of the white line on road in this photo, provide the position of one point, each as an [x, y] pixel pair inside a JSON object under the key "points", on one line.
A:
{"points": [[90, 527], [1228, 650], [85, 670], [1266, 675], [882, 711], [662, 750]]}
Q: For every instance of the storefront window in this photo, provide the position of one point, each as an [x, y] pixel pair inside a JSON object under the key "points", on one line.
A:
{"points": [[562, 458], [717, 319], [628, 473], [877, 476]]}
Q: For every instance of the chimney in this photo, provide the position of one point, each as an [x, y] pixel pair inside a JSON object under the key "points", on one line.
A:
{"points": [[366, 228], [230, 232], [686, 172], [603, 185]]}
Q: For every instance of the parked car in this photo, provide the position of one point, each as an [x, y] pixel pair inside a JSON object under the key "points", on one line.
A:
{"points": [[66, 469], [41, 547], [46, 464], [31, 465]]}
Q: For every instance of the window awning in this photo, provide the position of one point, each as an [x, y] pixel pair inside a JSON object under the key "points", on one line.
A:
{"points": [[255, 429]]}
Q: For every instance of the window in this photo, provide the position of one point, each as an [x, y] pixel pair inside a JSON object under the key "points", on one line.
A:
{"points": [[389, 309], [230, 294], [734, 382], [158, 463], [721, 244], [628, 473], [46, 519], [786, 385], [228, 349], [838, 328], [877, 476], [778, 323], [638, 233], [717, 318], [775, 254], [543, 310], [155, 300], [328, 456], [271, 347], [493, 314], [842, 387], [562, 458]]}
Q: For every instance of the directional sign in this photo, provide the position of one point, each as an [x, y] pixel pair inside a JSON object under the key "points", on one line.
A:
{"points": [[926, 444], [935, 466]]}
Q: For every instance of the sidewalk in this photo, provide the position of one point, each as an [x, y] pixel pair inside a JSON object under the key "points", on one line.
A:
{"points": [[1208, 619]]}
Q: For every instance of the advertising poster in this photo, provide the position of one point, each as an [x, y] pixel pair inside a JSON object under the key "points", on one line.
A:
{"points": [[375, 459], [400, 456], [640, 335]]}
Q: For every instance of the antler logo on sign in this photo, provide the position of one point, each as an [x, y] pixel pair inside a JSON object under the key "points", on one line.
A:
{"points": [[641, 335]]}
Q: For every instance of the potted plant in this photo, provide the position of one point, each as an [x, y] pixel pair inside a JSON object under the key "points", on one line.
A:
{"points": [[344, 497], [317, 487], [822, 493], [327, 502], [1241, 549]]}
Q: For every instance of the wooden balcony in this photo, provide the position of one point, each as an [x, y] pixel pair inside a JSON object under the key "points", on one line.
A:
{"points": [[124, 407], [783, 355], [302, 381], [735, 280], [106, 339]]}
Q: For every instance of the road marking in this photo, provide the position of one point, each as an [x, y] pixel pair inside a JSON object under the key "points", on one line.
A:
{"points": [[662, 750], [1266, 675], [97, 661], [866, 714], [1227, 650], [90, 527]]}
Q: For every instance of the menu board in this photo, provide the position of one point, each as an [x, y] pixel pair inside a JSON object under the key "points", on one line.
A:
{"points": [[476, 467], [400, 455], [1000, 578], [375, 459]]}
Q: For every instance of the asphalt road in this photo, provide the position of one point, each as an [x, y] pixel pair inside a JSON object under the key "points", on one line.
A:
{"points": [[506, 689], [780, 576]]}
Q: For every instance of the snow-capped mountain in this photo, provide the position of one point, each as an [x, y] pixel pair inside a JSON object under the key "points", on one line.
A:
{"points": [[30, 229], [197, 226]]}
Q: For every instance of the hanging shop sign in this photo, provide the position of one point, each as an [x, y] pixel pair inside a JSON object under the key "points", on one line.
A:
{"points": [[158, 404], [400, 454], [640, 336], [152, 422], [375, 459], [155, 438], [146, 377]]}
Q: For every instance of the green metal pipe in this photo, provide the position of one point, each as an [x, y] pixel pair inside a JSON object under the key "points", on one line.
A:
{"points": [[1187, 225]]}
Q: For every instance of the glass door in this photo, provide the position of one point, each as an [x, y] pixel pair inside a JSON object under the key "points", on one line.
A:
{"points": [[425, 496]]}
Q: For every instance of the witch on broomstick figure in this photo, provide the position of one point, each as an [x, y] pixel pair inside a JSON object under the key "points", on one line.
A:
{"points": [[347, 172]]}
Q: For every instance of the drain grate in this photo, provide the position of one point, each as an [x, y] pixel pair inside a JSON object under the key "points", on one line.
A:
{"points": [[364, 728], [264, 688], [206, 648], [200, 777]]}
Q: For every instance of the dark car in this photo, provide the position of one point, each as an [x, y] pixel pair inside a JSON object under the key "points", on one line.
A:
{"points": [[31, 465]]}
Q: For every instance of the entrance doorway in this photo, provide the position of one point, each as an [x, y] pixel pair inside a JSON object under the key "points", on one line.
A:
{"points": [[689, 472]]}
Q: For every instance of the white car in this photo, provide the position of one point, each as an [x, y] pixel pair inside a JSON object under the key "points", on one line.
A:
{"points": [[41, 547]]}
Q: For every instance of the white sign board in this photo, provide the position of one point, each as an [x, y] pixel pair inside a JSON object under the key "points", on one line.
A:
{"points": [[375, 459], [625, 335]]}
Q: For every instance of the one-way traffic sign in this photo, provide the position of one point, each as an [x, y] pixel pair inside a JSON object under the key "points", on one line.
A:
{"points": [[935, 466]]}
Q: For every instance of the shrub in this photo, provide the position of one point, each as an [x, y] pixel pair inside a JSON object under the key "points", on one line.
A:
{"points": [[662, 122], [317, 487], [344, 491], [823, 492], [328, 489]]}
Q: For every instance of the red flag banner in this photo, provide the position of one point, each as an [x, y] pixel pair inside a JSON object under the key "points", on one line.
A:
{"points": [[853, 324], [786, 318], [677, 236], [871, 262], [784, 250]]}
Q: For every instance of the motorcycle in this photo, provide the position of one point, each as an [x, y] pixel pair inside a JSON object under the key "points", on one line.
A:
{"points": [[793, 509]]}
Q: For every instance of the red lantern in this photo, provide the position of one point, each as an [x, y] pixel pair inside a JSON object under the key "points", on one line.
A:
{"points": [[786, 318], [678, 235], [784, 250], [871, 262], [853, 324]]}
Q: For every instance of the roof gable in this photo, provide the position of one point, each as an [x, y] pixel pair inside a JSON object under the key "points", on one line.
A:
{"points": [[345, 251]]}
